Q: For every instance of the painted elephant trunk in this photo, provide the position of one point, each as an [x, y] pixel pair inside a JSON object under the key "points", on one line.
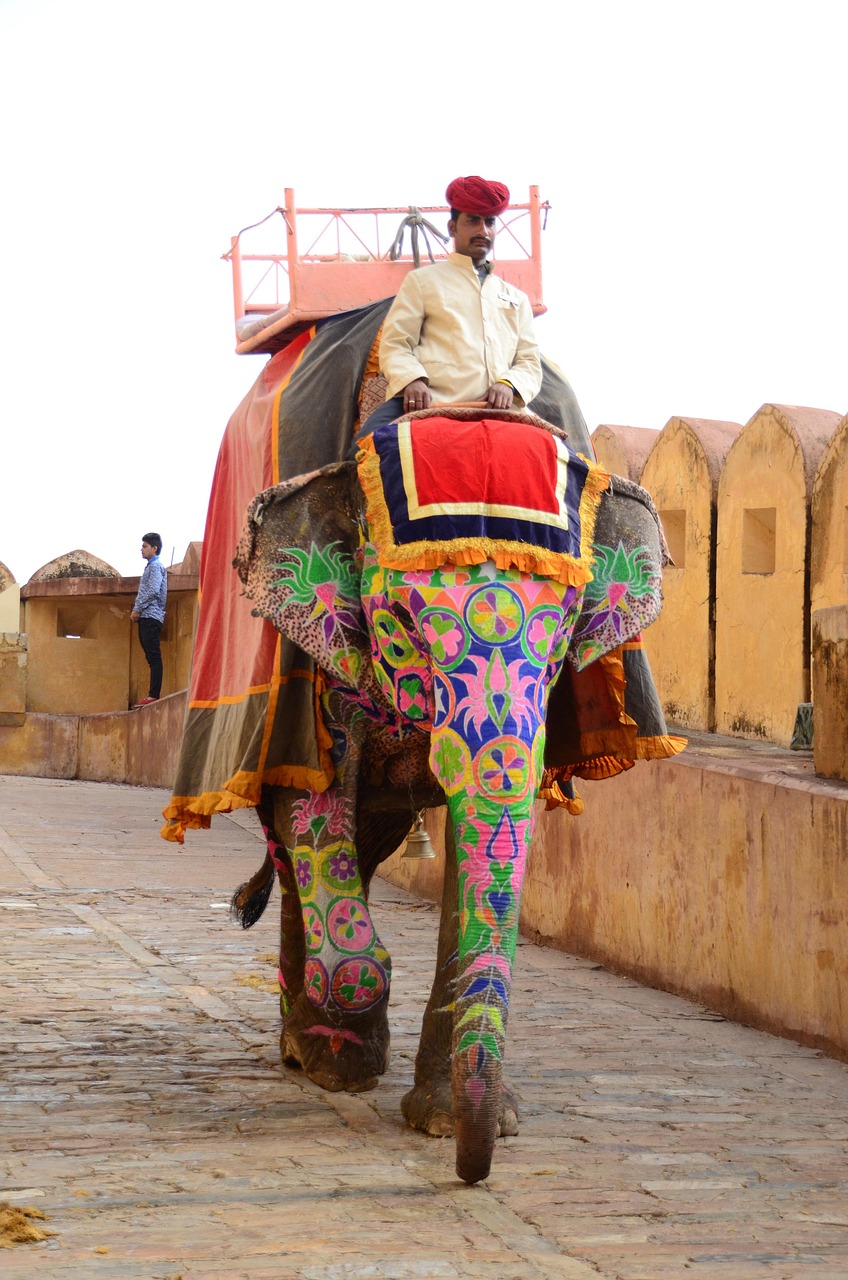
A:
{"points": [[488, 931], [475, 653]]}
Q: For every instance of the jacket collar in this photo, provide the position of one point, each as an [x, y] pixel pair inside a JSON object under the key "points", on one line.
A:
{"points": [[465, 263]]}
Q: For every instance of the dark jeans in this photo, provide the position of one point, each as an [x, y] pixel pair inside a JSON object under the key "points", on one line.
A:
{"points": [[148, 634], [386, 412]]}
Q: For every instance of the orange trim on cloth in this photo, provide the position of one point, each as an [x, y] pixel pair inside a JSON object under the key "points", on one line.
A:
{"points": [[612, 745], [243, 791], [371, 370], [600, 768], [297, 674], [236, 655], [273, 697], [305, 339]]}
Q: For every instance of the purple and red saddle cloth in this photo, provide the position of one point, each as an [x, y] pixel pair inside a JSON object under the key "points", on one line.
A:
{"points": [[441, 490]]}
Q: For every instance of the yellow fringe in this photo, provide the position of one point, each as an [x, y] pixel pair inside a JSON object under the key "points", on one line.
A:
{"points": [[604, 765], [526, 557]]}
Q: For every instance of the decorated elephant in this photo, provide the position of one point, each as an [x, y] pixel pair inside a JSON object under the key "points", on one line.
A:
{"points": [[467, 602]]}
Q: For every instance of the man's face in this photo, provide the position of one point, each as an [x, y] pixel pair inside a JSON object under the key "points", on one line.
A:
{"points": [[147, 551], [473, 235]]}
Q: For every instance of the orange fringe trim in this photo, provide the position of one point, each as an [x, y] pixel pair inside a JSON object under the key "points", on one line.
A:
{"points": [[556, 799], [600, 767], [241, 792], [463, 551]]}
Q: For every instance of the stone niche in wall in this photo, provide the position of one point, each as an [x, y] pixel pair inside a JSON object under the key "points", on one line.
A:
{"points": [[762, 616]]}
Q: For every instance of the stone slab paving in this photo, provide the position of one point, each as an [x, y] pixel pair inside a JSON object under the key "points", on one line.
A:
{"points": [[144, 1111]]}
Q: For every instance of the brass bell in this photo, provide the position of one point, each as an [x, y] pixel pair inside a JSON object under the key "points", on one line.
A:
{"points": [[418, 842]]}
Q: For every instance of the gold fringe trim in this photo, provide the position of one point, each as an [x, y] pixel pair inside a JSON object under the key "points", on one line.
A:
{"points": [[600, 768], [526, 557]]}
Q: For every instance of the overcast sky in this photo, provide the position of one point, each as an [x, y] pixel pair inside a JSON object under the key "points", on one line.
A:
{"points": [[695, 257]]}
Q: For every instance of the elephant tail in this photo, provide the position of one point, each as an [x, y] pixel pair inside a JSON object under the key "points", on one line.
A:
{"points": [[251, 898]]}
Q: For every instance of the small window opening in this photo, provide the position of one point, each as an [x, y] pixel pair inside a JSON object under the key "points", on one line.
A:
{"points": [[759, 525], [76, 623], [674, 527]]}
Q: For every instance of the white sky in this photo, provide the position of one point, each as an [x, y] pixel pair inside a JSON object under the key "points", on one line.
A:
{"points": [[694, 155]]}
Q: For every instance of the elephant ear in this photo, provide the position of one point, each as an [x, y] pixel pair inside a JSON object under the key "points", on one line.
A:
{"points": [[299, 559], [625, 594]]}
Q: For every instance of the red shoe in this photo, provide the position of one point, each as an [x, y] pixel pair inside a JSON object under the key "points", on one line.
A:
{"points": [[135, 706]]}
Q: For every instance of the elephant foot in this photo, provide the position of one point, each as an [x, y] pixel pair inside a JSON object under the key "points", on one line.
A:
{"points": [[340, 1058], [429, 1109]]}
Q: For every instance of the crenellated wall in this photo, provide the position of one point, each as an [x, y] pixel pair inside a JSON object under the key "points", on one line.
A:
{"points": [[829, 549], [756, 518], [623, 450], [762, 571]]}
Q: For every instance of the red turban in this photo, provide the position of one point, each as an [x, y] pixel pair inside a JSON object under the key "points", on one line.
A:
{"points": [[476, 195]]}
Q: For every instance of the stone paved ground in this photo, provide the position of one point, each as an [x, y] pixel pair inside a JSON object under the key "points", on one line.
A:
{"points": [[142, 1107]]}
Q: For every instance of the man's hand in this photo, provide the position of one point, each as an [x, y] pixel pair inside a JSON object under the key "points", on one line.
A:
{"points": [[500, 396], [416, 396], [134, 616]]}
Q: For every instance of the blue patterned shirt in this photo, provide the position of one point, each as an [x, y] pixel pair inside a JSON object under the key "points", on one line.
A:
{"points": [[152, 591]]}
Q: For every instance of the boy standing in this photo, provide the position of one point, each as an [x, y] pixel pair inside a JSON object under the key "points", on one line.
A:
{"points": [[149, 612]]}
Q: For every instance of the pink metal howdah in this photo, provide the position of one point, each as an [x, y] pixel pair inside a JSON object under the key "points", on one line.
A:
{"points": [[355, 257]]}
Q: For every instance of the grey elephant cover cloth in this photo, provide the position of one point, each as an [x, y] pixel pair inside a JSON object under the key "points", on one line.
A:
{"points": [[254, 715]]}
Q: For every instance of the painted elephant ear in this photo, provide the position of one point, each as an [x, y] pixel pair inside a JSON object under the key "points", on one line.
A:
{"points": [[298, 559], [625, 594]]}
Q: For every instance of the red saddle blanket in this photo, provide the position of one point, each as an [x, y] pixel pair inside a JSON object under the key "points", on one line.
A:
{"points": [[441, 490]]}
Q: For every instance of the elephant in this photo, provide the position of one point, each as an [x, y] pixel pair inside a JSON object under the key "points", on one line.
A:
{"points": [[439, 668]]}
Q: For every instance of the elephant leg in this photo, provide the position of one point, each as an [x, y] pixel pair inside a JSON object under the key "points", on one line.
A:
{"points": [[335, 1001], [292, 945], [428, 1106]]}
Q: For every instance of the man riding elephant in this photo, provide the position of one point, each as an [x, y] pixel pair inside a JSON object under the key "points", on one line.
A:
{"points": [[456, 331]]}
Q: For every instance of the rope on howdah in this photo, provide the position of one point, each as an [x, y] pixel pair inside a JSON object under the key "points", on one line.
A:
{"points": [[415, 222]]}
